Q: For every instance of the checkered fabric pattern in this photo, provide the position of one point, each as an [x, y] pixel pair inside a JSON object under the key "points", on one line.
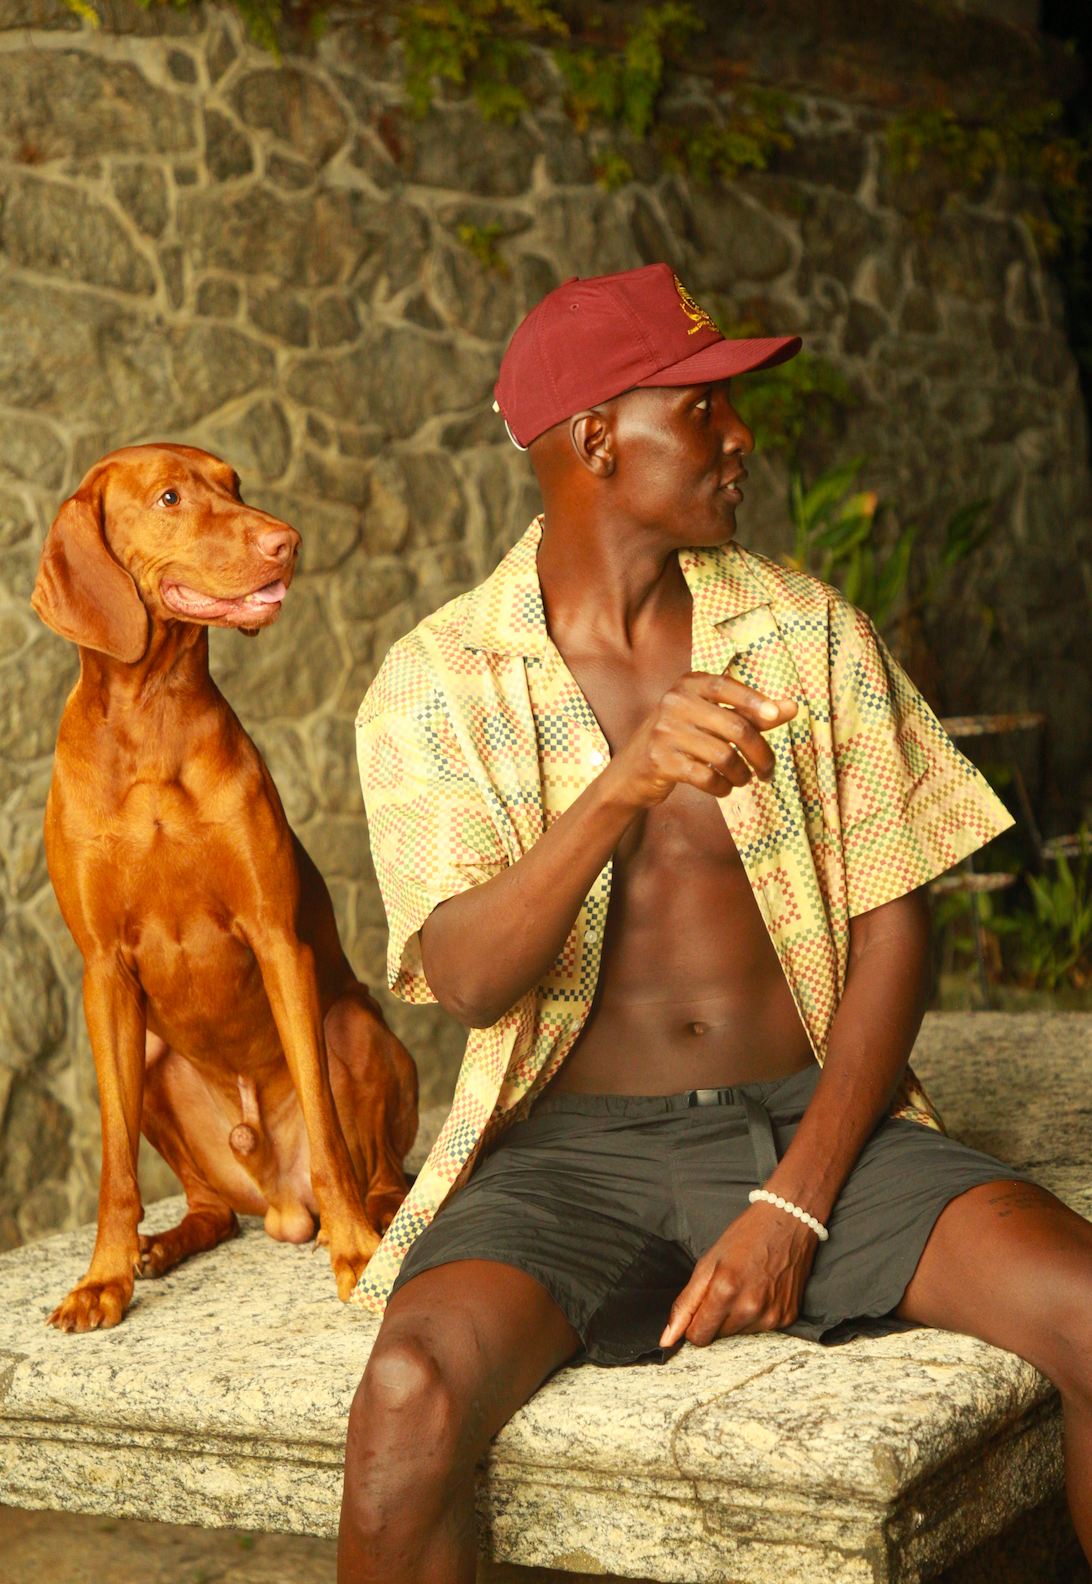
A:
{"points": [[474, 737]]}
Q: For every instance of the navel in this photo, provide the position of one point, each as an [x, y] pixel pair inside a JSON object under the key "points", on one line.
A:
{"points": [[698, 1028]]}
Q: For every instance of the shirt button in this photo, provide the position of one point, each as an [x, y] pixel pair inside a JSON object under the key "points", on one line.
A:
{"points": [[591, 934], [596, 757]]}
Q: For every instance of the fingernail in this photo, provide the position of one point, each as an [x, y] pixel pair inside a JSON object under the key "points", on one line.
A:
{"points": [[769, 710]]}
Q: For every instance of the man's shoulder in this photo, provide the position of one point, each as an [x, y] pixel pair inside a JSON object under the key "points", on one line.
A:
{"points": [[785, 586]]}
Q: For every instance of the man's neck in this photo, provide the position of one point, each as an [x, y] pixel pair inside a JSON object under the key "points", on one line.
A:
{"points": [[606, 584]]}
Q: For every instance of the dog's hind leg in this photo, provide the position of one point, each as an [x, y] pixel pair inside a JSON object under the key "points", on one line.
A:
{"points": [[209, 1220], [374, 1079]]}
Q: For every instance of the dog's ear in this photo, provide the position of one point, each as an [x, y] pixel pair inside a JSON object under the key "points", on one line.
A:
{"points": [[81, 591]]}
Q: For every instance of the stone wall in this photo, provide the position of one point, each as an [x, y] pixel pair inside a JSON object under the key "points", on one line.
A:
{"points": [[199, 244]]}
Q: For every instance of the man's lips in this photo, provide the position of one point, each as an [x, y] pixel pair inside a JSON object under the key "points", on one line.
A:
{"points": [[212, 607], [731, 487]]}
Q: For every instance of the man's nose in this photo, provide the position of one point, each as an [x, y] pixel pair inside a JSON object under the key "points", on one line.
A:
{"points": [[279, 543]]}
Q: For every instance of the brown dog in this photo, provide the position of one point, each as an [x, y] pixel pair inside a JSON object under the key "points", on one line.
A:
{"points": [[214, 980]]}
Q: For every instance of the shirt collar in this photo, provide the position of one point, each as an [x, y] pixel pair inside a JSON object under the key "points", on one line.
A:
{"points": [[507, 614]]}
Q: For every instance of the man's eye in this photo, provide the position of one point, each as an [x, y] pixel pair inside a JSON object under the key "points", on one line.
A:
{"points": [[703, 405], [170, 497]]}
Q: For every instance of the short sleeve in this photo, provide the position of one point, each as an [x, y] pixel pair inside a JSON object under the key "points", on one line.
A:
{"points": [[911, 804], [431, 834]]}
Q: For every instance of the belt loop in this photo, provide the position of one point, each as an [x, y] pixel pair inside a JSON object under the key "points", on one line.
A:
{"points": [[760, 1128]]}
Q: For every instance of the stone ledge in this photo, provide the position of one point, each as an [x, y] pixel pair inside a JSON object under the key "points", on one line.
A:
{"points": [[223, 1398]]}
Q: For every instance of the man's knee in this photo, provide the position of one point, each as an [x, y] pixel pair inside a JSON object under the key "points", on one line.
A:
{"points": [[405, 1404]]}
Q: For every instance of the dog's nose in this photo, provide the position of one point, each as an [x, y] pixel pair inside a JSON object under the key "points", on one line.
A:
{"points": [[279, 543]]}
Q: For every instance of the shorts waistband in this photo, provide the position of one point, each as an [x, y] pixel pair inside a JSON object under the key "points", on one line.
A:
{"points": [[640, 1107]]}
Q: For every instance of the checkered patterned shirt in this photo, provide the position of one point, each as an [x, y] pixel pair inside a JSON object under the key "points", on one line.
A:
{"points": [[474, 737]]}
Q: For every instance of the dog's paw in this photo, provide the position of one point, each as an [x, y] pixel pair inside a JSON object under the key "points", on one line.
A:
{"points": [[348, 1262], [156, 1256], [92, 1305]]}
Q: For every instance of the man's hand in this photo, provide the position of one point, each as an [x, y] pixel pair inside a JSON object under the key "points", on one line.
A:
{"points": [[706, 731], [752, 1279]]}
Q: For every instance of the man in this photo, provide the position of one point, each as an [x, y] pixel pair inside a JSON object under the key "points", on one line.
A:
{"points": [[653, 818]]}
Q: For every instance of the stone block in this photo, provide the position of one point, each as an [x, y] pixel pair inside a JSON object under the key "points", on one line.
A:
{"points": [[33, 1016], [221, 51], [472, 296], [34, 1146], [436, 504], [64, 104], [16, 517], [738, 240], [33, 689], [290, 174], [29, 449], [296, 107], [369, 586], [387, 514], [587, 233], [286, 670], [282, 315], [213, 365], [141, 190], [227, 149], [338, 847], [337, 781], [83, 357], [257, 442], [60, 230], [397, 376], [331, 478], [281, 746], [838, 234], [301, 241], [218, 298], [38, 14], [456, 148]]}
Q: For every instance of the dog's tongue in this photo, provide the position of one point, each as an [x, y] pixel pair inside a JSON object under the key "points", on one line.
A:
{"points": [[271, 594]]}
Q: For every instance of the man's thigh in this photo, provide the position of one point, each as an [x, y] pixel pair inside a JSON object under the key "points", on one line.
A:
{"points": [[488, 1334], [1008, 1262]]}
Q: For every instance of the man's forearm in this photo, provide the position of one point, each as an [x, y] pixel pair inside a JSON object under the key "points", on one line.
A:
{"points": [[878, 1018], [485, 948]]}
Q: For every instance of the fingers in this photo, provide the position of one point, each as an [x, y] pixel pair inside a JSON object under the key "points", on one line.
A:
{"points": [[687, 1304], [763, 711]]}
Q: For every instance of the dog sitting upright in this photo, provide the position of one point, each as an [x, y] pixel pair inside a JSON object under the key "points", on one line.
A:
{"points": [[225, 1020]]}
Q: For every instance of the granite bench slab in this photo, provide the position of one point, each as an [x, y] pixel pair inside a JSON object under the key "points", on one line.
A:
{"points": [[223, 1397]]}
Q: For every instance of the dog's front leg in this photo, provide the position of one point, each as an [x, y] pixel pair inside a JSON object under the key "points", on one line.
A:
{"points": [[288, 972], [114, 1007]]}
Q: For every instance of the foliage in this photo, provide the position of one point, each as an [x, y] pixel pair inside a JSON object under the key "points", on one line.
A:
{"points": [[482, 242], [1053, 938], [622, 89], [1024, 144], [473, 42], [836, 538], [780, 404]]}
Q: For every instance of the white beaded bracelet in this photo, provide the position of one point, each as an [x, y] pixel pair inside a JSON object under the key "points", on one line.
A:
{"points": [[794, 1210]]}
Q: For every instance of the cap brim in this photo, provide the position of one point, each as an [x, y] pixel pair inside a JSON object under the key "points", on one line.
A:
{"points": [[724, 359]]}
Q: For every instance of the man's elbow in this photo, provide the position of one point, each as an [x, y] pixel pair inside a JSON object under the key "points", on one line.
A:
{"points": [[467, 1005]]}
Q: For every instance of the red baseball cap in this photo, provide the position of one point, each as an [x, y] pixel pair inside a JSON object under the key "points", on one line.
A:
{"points": [[593, 339]]}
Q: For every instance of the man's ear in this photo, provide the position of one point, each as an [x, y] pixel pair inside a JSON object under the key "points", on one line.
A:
{"points": [[593, 442], [81, 591]]}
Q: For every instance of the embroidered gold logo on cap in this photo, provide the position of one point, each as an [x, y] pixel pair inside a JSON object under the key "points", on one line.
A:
{"points": [[693, 310]]}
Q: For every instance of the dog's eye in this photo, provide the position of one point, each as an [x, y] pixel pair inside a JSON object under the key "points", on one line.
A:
{"points": [[170, 497]]}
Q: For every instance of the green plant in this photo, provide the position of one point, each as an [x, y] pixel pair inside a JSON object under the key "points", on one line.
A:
{"points": [[622, 88], [1000, 140], [835, 537], [475, 43], [1053, 939], [778, 405], [482, 242]]}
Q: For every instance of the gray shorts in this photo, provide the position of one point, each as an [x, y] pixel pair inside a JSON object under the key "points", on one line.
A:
{"points": [[609, 1200]]}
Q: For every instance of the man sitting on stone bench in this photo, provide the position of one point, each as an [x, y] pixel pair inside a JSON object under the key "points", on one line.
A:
{"points": [[652, 816]]}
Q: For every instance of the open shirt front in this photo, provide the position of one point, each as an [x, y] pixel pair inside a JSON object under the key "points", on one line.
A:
{"points": [[474, 737]]}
